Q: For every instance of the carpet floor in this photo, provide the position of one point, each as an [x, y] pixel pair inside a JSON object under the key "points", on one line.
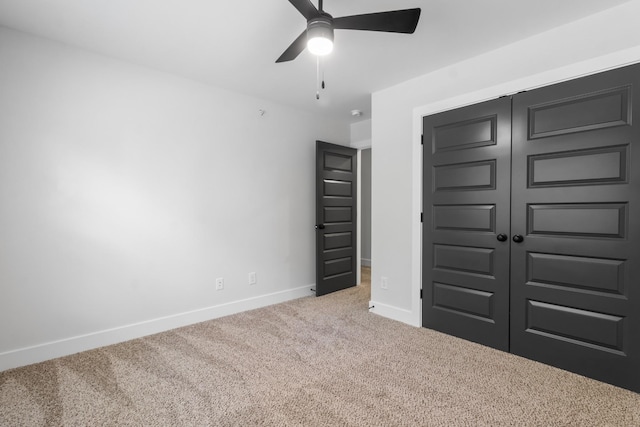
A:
{"points": [[321, 361]]}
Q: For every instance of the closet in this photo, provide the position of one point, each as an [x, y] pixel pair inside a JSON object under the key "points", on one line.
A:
{"points": [[531, 230]]}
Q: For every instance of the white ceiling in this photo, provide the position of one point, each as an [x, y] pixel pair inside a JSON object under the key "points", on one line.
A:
{"points": [[234, 44]]}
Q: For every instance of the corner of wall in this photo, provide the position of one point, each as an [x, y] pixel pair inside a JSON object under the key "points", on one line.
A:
{"points": [[394, 313]]}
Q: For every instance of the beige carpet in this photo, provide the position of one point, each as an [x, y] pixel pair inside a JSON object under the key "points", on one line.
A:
{"points": [[311, 362]]}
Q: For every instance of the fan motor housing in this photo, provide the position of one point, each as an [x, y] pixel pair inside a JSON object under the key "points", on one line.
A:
{"points": [[320, 26]]}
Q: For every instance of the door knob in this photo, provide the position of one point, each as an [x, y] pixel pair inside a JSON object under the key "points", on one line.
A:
{"points": [[320, 227], [517, 238], [501, 237]]}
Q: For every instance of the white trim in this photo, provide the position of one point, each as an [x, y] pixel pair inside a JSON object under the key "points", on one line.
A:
{"points": [[391, 312], [416, 224], [359, 218], [584, 68], [365, 262], [64, 347], [361, 145], [579, 69]]}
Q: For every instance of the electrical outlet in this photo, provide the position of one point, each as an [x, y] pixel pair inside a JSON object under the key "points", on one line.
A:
{"points": [[252, 278], [384, 282], [219, 284]]}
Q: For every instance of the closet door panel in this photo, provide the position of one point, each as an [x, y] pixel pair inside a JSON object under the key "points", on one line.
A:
{"points": [[466, 205], [575, 276]]}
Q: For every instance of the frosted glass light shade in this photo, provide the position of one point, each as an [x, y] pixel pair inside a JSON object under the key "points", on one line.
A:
{"points": [[320, 46]]}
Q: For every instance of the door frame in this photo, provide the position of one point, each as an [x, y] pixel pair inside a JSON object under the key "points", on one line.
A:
{"points": [[359, 145], [546, 78]]}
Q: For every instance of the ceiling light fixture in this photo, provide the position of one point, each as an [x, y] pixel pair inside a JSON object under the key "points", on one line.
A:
{"points": [[320, 35]]}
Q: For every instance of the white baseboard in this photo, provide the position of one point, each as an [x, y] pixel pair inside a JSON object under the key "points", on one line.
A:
{"points": [[394, 313], [365, 262], [51, 350]]}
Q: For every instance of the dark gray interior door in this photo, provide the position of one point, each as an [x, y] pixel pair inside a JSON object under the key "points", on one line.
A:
{"points": [[575, 272], [556, 171], [467, 178], [336, 186]]}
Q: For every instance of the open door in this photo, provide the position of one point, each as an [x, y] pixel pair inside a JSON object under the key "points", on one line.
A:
{"points": [[336, 186]]}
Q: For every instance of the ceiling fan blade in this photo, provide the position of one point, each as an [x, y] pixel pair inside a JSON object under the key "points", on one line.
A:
{"points": [[306, 8], [396, 21], [294, 49]]}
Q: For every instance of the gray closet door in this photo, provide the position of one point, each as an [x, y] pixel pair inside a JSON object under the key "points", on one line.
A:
{"points": [[466, 222], [575, 269]]}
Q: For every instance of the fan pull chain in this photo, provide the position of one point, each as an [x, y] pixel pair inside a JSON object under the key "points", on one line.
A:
{"points": [[319, 80], [317, 77]]}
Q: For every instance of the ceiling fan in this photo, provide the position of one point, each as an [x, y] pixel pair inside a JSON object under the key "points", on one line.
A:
{"points": [[318, 37]]}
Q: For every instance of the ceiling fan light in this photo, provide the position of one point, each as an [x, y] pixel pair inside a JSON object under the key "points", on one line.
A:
{"points": [[320, 46], [320, 36]]}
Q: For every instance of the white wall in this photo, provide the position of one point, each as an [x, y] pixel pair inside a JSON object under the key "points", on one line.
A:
{"points": [[608, 39], [361, 134], [124, 193]]}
